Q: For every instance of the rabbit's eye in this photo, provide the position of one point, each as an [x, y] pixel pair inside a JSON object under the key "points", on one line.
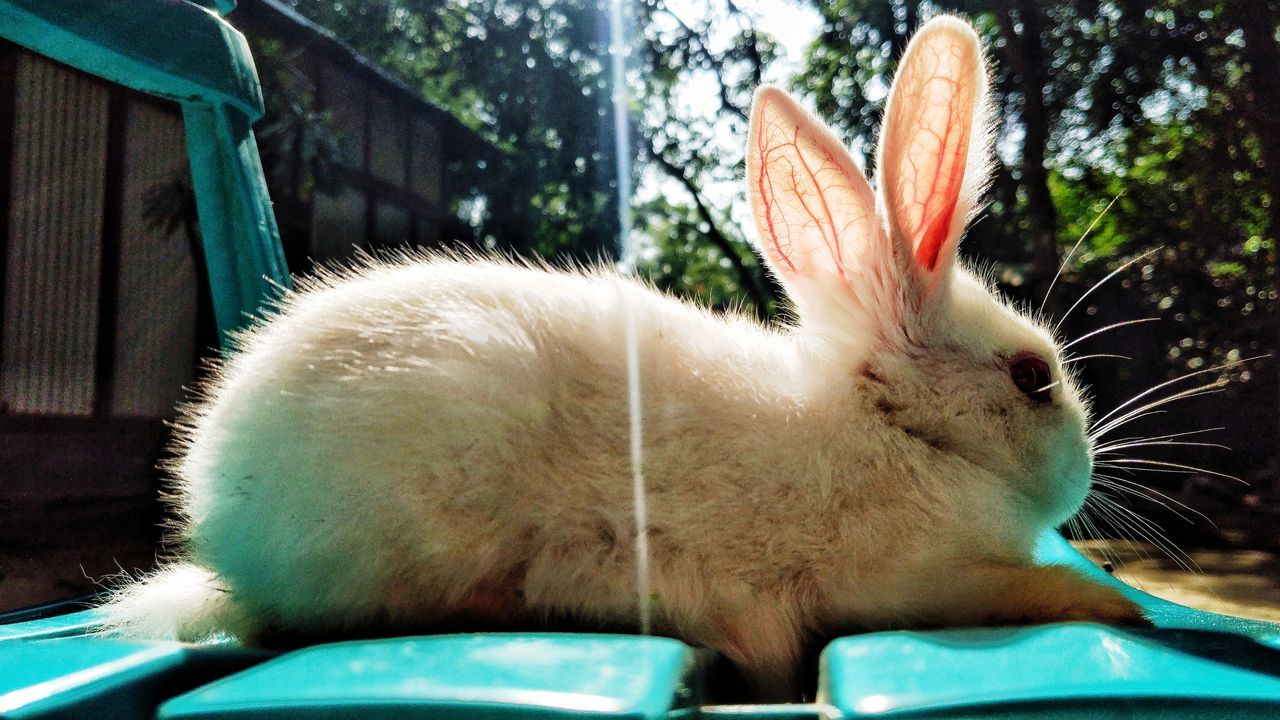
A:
{"points": [[1031, 375]]}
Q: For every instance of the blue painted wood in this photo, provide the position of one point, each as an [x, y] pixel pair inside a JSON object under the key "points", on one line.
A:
{"points": [[241, 242], [1054, 550], [173, 49], [183, 51]]}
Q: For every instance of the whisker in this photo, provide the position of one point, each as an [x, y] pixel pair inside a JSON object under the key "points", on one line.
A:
{"points": [[1142, 438], [1117, 423], [1125, 485], [1132, 438], [1207, 387], [1108, 552], [1111, 448], [1132, 538], [1107, 328], [1170, 548], [1133, 471], [1094, 435], [1107, 423], [1071, 525], [1098, 284], [1122, 527], [1149, 413], [1134, 492], [1075, 247], [1050, 386], [1177, 434], [1166, 464], [1167, 383], [1095, 355], [1154, 534], [1116, 523]]}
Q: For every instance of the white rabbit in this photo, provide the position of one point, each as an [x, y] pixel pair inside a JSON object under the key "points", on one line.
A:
{"points": [[445, 440]]}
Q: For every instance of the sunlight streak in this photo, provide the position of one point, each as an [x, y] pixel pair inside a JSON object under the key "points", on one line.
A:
{"points": [[622, 152]]}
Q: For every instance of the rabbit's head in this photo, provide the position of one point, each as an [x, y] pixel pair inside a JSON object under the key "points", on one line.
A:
{"points": [[880, 297]]}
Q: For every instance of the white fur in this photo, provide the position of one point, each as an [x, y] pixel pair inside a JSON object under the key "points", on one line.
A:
{"points": [[407, 434], [179, 601]]}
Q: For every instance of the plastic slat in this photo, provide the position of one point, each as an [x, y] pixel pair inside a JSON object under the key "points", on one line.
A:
{"points": [[1068, 670], [457, 676], [1054, 550], [94, 678], [769, 712], [47, 627]]}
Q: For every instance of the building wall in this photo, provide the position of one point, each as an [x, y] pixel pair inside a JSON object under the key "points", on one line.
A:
{"points": [[386, 188], [53, 256], [98, 302], [393, 175], [99, 311]]}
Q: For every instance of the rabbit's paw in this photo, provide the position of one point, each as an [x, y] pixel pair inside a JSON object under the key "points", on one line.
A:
{"points": [[1035, 595], [1094, 602], [999, 594]]}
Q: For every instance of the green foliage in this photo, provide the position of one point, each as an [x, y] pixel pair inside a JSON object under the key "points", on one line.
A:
{"points": [[532, 79], [849, 65], [1186, 162], [695, 145], [682, 262]]}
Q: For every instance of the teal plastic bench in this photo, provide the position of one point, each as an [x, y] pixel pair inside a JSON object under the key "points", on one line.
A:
{"points": [[1193, 665]]}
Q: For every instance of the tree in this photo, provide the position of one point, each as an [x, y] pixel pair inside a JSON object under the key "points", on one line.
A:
{"points": [[699, 153], [1181, 101], [532, 78]]}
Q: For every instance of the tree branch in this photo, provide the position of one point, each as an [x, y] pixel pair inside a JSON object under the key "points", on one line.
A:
{"points": [[696, 47], [748, 280], [753, 45]]}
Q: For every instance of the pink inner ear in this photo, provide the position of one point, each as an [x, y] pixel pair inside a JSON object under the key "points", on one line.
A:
{"points": [[933, 120], [787, 178], [813, 204], [940, 203]]}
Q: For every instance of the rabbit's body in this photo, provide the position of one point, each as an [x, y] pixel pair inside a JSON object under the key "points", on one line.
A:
{"points": [[439, 440]]}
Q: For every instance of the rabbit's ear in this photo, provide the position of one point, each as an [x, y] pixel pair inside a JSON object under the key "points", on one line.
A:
{"points": [[934, 152], [814, 209]]}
